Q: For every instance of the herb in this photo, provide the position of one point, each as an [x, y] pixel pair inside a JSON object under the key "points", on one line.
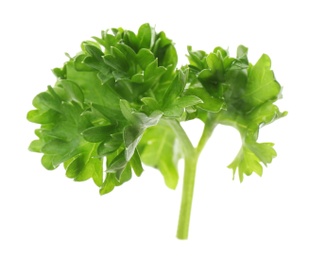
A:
{"points": [[119, 104]]}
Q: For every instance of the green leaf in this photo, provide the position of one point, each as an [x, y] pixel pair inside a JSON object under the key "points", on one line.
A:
{"points": [[47, 162], [170, 57], [84, 167], [215, 64], [144, 58], [35, 146], [186, 101], [131, 136], [138, 78], [176, 109], [93, 50], [136, 163], [59, 73], [261, 86], [131, 40], [196, 58], [127, 110], [120, 58], [79, 62], [117, 165], [209, 103], [264, 114], [133, 133], [108, 185], [153, 73], [176, 87], [159, 149], [97, 134], [145, 36], [264, 151], [73, 91], [107, 40], [151, 103], [242, 53], [130, 57], [42, 116], [113, 63], [110, 146], [56, 147], [250, 157], [47, 100], [89, 83]]}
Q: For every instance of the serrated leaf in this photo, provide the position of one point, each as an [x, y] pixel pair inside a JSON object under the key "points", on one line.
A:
{"points": [[59, 73], [48, 100], [107, 40], [153, 72], [79, 63], [94, 51], [261, 86], [115, 64], [85, 166], [89, 83], [264, 114], [264, 151], [215, 64], [250, 157], [120, 58]]}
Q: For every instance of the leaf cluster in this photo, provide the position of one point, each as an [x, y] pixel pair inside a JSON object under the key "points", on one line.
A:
{"points": [[106, 114], [238, 94]]}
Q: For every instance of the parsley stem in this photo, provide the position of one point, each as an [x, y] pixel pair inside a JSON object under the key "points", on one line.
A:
{"points": [[191, 156], [191, 161], [207, 132], [187, 197]]}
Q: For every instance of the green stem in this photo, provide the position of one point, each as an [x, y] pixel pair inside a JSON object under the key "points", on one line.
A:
{"points": [[187, 197], [207, 132], [191, 156]]}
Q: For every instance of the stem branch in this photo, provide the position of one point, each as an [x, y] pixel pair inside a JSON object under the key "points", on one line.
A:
{"points": [[191, 156]]}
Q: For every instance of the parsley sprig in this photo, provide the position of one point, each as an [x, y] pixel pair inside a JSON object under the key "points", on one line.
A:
{"points": [[119, 104]]}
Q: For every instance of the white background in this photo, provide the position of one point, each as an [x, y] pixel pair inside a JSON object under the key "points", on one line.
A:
{"points": [[44, 215]]}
